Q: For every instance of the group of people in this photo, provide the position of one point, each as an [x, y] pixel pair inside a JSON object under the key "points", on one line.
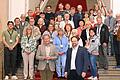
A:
{"points": [[67, 42]]}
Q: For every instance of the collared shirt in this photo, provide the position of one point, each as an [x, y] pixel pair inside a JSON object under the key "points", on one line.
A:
{"points": [[87, 32], [47, 49], [99, 29], [63, 23], [73, 57], [58, 42], [9, 37], [28, 43]]}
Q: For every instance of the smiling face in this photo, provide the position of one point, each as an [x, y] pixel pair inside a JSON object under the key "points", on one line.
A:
{"points": [[40, 21], [59, 18], [37, 10], [10, 26], [74, 42], [74, 32], [32, 21], [99, 20], [29, 31], [60, 6], [81, 23], [92, 33], [79, 8], [72, 10], [48, 9], [30, 13], [68, 28], [23, 17], [67, 6], [50, 27], [67, 17], [46, 39], [17, 21]]}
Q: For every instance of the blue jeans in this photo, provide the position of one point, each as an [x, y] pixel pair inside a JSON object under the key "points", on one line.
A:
{"points": [[93, 65], [60, 65]]}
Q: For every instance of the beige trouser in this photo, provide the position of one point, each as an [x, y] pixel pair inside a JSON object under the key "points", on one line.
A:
{"points": [[28, 63], [46, 74]]}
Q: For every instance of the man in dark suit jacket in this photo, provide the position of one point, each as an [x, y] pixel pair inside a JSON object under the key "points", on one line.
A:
{"points": [[103, 33], [77, 61]]}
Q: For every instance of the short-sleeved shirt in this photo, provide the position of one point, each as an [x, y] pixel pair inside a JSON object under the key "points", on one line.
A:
{"points": [[13, 37]]}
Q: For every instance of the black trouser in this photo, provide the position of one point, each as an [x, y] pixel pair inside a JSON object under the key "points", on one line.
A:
{"points": [[74, 76], [102, 58], [19, 56], [117, 50], [10, 61]]}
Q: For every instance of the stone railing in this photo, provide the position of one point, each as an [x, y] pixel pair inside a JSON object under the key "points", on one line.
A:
{"points": [[43, 4]]}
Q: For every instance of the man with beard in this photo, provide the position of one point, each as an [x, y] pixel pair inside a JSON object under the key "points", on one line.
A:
{"points": [[77, 61]]}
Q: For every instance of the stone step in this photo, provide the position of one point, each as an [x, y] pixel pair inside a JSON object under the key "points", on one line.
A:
{"points": [[111, 63], [102, 72], [113, 68], [111, 58], [109, 78]]}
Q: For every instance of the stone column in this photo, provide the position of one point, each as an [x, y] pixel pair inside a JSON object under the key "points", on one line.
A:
{"points": [[1, 61]]}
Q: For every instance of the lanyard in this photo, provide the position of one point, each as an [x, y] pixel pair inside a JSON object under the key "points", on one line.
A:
{"points": [[10, 33], [51, 34], [60, 40]]}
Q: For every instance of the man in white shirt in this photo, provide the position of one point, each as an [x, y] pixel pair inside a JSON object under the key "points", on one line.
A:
{"points": [[66, 21], [77, 61]]}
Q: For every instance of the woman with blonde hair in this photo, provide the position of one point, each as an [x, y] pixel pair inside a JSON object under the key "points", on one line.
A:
{"points": [[28, 44]]}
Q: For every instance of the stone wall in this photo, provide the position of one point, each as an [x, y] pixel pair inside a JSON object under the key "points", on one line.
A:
{"points": [[90, 4], [107, 4], [33, 4], [1, 61], [3, 15]]}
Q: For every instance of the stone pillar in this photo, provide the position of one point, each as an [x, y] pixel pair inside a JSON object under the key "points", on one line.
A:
{"points": [[3, 20], [3, 15]]}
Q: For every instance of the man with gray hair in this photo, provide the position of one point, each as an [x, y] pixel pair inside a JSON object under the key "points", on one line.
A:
{"points": [[46, 54], [110, 21]]}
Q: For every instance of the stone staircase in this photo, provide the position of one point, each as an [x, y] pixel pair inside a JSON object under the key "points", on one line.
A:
{"points": [[112, 73]]}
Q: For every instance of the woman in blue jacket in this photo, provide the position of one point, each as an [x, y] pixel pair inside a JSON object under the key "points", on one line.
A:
{"points": [[61, 43]]}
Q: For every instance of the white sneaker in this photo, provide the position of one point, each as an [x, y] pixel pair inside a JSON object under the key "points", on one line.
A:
{"points": [[95, 78], [31, 77], [14, 77], [25, 77], [6, 77], [90, 78]]}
